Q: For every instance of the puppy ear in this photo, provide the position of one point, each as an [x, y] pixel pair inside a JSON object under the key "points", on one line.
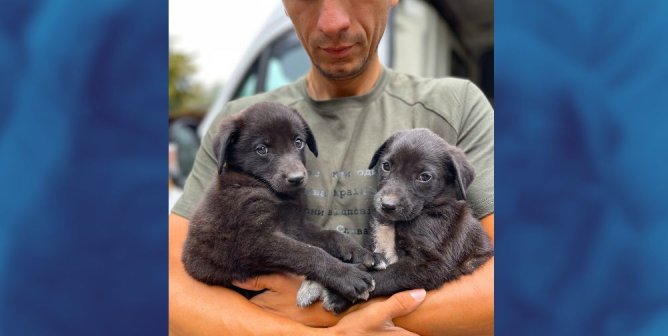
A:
{"points": [[381, 150], [227, 133], [461, 169], [310, 139]]}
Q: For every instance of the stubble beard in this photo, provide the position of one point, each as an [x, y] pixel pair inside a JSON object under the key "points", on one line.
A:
{"points": [[337, 75], [333, 74]]}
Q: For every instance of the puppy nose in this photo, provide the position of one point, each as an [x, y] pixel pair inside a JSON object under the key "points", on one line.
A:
{"points": [[296, 178], [388, 203]]}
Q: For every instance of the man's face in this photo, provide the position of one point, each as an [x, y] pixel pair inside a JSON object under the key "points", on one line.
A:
{"points": [[340, 36]]}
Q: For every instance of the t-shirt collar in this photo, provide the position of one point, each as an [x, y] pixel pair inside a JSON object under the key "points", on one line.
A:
{"points": [[346, 102]]}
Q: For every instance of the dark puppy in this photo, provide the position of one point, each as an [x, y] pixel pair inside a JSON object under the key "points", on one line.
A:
{"points": [[250, 221], [422, 224]]}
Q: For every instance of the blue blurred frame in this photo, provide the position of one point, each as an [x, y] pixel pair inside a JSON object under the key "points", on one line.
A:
{"points": [[580, 165]]}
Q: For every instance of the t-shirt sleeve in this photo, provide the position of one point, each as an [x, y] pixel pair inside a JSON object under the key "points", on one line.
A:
{"points": [[476, 139], [203, 172]]}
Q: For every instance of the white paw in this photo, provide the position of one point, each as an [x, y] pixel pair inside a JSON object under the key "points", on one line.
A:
{"points": [[308, 293]]}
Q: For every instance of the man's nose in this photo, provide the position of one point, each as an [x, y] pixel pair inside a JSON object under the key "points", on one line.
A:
{"points": [[334, 17]]}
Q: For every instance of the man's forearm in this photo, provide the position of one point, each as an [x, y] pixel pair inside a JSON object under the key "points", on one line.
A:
{"points": [[462, 307], [198, 309]]}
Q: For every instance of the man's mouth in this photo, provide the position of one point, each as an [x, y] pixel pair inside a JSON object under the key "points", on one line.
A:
{"points": [[338, 51]]}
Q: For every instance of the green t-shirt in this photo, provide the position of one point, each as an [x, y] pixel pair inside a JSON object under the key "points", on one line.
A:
{"points": [[348, 130]]}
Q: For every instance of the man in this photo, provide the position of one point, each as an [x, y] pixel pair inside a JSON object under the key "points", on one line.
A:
{"points": [[352, 104]]}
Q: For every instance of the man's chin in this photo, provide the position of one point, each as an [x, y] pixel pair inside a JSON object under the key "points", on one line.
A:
{"points": [[340, 72]]}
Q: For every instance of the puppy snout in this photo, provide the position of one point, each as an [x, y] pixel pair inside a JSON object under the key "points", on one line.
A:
{"points": [[296, 178], [389, 203]]}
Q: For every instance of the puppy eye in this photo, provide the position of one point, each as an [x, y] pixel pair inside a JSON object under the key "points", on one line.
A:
{"points": [[261, 150], [299, 143], [424, 177], [386, 166]]}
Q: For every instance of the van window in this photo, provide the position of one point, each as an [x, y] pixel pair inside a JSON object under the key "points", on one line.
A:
{"points": [[249, 84], [280, 63], [286, 67]]}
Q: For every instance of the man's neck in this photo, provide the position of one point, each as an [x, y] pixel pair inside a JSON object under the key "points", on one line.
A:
{"points": [[323, 88]]}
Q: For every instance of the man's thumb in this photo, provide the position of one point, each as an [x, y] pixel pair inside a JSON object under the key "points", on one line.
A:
{"points": [[403, 303]]}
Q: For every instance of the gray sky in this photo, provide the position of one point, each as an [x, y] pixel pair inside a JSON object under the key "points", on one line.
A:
{"points": [[216, 32]]}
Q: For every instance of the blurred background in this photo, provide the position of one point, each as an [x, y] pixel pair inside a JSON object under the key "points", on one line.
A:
{"points": [[83, 234], [220, 51]]}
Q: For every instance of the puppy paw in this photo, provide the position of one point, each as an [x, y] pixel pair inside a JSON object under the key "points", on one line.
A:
{"points": [[351, 283], [334, 302], [365, 296], [361, 256], [309, 292], [351, 252], [364, 257]]}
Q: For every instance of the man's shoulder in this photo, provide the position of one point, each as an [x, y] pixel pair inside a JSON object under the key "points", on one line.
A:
{"points": [[452, 99], [432, 92]]}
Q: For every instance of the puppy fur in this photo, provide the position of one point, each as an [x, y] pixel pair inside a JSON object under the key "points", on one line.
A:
{"points": [[250, 222], [422, 224]]}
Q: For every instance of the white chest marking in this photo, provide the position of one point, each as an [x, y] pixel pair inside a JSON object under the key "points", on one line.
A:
{"points": [[384, 242]]}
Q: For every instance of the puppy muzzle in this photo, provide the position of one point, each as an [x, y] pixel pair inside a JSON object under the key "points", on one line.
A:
{"points": [[291, 176], [394, 207]]}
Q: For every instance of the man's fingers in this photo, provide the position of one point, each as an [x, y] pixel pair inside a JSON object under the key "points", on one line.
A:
{"points": [[376, 318], [401, 303], [274, 282]]}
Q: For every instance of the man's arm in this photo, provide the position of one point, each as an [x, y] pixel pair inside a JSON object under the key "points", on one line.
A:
{"points": [[198, 309]]}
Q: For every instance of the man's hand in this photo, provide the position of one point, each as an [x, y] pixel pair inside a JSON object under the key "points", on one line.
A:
{"points": [[373, 319], [281, 299], [376, 318]]}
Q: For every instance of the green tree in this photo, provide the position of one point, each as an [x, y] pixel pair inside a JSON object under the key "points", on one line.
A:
{"points": [[185, 95]]}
